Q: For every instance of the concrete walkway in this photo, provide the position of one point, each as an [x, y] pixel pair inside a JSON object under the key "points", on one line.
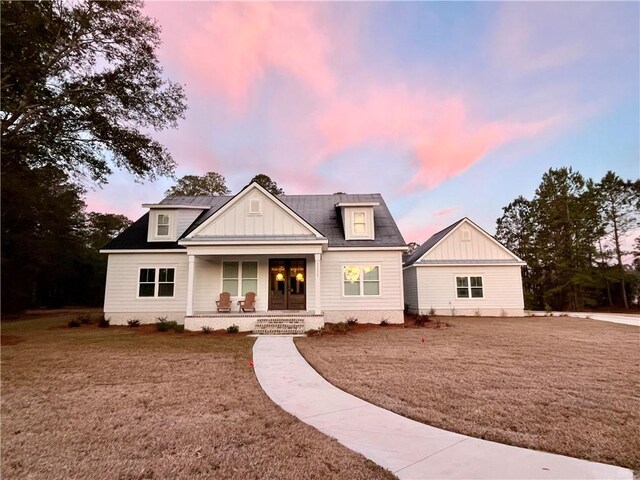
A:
{"points": [[409, 449], [623, 318]]}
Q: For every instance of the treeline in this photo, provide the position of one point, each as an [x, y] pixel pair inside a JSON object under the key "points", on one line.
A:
{"points": [[572, 235], [50, 243]]}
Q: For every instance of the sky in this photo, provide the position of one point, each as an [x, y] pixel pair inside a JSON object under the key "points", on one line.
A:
{"points": [[448, 109]]}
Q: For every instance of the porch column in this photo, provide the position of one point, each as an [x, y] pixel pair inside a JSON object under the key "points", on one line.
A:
{"points": [[318, 256], [190, 275]]}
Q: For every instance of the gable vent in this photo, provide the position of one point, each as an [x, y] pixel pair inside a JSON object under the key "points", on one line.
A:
{"points": [[255, 206], [466, 235]]}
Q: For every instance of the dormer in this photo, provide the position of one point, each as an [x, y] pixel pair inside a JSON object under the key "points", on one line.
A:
{"points": [[168, 222], [358, 220]]}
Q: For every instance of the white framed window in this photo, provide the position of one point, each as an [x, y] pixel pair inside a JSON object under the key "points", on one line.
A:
{"points": [[162, 225], [360, 280], [239, 277], [156, 282], [469, 287], [359, 223]]}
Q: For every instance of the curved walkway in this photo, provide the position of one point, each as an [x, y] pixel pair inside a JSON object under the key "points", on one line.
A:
{"points": [[409, 449]]}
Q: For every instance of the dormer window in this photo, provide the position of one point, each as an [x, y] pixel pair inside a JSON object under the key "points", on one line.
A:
{"points": [[359, 224], [163, 225]]}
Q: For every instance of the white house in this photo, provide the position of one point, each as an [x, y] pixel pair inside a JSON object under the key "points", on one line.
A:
{"points": [[315, 258], [462, 270]]}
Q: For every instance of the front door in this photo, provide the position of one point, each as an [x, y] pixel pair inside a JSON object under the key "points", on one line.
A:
{"points": [[287, 278]]}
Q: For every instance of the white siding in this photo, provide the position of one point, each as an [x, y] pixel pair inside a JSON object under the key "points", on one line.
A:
{"points": [[121, 292], [478, 247], [411, 289], [502, 289], [391, 295], [185, 218], [237, 221]]}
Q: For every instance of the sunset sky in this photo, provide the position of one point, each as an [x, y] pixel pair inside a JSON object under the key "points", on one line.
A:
{"points": [[447, 109]]}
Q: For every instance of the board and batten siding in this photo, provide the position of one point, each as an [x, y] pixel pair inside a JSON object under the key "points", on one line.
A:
{"points": [[502, 290], [121, 301], [238, 221], [388, 305], [477, 246]]}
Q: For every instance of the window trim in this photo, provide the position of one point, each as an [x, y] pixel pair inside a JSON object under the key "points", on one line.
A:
{"points": [[365, 222], [156, 282], [469, 287], [239, 278], [361, 266], [154, 217], [158, 225], [255, 201]]}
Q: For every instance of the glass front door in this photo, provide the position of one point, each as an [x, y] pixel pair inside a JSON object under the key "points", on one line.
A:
{"points": [[287, 284]]}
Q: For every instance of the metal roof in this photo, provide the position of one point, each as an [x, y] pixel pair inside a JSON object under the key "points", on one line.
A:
{"points": [[319, 211]]}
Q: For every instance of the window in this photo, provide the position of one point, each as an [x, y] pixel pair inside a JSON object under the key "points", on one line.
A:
{"points": [[163, 287], [469, 287], [358, 280], [233, 272], [147, 286], [163, 225], [359, 223]]}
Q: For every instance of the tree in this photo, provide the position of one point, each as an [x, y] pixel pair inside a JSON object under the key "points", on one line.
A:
{"points": [[619, 202], [211, 183], [269, 185], [411, 247], [81, 86], [102, 227]]}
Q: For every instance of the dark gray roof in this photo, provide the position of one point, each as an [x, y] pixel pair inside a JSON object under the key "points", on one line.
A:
{"points": [[319, 211], [428, 245]]}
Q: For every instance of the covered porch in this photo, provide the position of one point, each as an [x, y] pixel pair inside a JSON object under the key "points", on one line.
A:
{"points": [[285, 278]]}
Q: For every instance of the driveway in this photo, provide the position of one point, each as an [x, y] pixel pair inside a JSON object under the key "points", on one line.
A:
{"points": [[623, 318]]}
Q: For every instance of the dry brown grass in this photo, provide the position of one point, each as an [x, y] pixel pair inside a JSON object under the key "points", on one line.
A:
{"points": [[562, 385], [121, 403]]}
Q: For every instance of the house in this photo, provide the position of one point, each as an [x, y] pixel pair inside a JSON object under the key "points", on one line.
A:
{"points": [[462, 270], [318, 258]]}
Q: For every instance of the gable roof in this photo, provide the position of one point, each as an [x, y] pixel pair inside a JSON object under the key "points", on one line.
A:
{"points": [[319, 211], [440, 236]]}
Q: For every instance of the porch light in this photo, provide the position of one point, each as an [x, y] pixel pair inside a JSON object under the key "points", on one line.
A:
{"points": [[300, 277], [279, 277]]}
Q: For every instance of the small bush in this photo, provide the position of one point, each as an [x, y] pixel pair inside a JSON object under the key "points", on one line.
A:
{"points": [[422, 319], [384, 322], [75, 323], [341, 327], [84, 318], [206, 329], [104, 322], [477, 313], [432, 312], [164, 325], [547, 308], [352, 320], [178, 328], [233, 328], [134, 322]]}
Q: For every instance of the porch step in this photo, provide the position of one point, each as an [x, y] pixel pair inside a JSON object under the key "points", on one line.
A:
{"points": [[279, 326]]}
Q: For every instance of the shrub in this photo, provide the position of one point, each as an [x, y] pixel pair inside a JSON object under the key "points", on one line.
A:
{"points": [[384, 322], [547, 308], [84, 318], [422, 319], [178, 328], [134, 322], [104, 322], [75, 323], [233, 328], [341, 327], [432, 312], [478, 313], [206, 329], [352, 320], [164, 325]]}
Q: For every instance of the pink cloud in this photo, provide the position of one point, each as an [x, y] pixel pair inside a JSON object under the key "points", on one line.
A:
{"points": [[445, 212], [228, 48], [436, 129]]}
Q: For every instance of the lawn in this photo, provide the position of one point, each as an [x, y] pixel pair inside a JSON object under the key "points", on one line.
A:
{"points": [[134, 403], [561, 385]]}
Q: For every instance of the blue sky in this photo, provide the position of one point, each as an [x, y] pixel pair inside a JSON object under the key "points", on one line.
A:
{"points": [[448, 109]]}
